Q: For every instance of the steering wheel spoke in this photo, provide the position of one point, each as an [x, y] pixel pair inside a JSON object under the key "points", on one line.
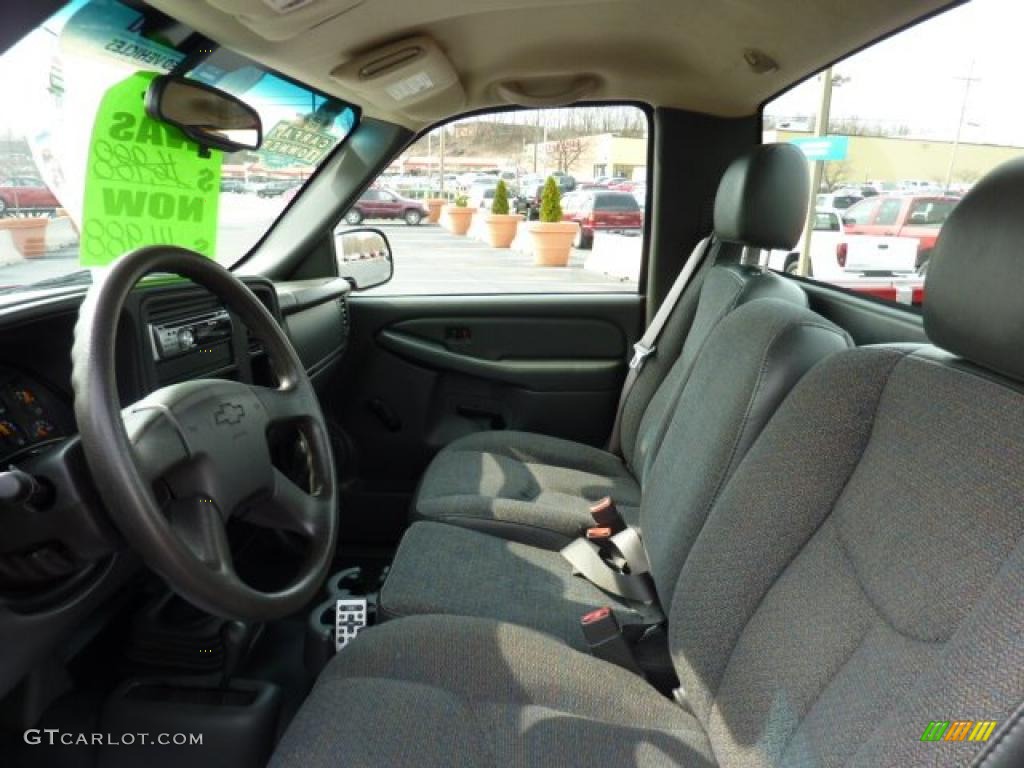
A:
{"points": [[157, 446], [199, 525], [283, 405], [288, 507]]}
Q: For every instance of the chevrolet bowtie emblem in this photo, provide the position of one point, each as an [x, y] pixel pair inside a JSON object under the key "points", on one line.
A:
{"points": [[228, 413]]}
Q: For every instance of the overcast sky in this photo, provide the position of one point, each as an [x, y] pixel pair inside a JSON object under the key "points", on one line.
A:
{"points": [[911, 79]]}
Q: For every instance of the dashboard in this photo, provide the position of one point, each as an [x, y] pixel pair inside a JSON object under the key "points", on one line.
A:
{"points": [[60, 558]]}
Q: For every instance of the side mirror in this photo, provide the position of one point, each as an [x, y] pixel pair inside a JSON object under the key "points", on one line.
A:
{"points": [[207, 115], [364, 257]]}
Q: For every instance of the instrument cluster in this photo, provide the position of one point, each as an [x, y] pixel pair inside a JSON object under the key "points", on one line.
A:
{"points": [[31, 414]]}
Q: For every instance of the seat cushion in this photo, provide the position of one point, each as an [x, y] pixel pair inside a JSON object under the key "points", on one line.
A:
{"points": [[400, 696], [525, 487], [453, 570]]}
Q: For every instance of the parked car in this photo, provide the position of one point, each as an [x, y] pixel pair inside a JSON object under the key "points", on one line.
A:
{"points": [[602, 182], [232, 185], [24, 193], [276, 188], [626, 185], [919, 217], [827, 234], [481, 196], [640, 194], [836, 201], [837, 256], [386, 204], [601, 211], [565, 182]]}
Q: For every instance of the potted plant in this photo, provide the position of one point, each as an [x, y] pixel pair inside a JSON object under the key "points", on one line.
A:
{"points": [[501, 225], [434, 208], [28, 235], [552, 238], [458, 215]]}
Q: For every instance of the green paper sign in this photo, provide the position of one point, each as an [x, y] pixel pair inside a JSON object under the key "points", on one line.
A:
{"points": [[145, 183]]}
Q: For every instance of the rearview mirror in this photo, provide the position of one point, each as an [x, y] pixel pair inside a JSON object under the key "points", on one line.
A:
{"points": [[207, 115], [363, 256]]}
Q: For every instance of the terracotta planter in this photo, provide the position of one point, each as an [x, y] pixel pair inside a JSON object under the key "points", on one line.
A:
{"points": [[434, 208], [458, 219], [501, 228], [29, 235], [552, 242]]}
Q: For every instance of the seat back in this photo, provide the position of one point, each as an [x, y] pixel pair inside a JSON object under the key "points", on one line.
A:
{"points": [[761, 202], [862, 574], [749, 362]]}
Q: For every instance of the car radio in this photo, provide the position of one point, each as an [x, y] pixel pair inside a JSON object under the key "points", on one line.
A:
{"points": [[182, 336]]}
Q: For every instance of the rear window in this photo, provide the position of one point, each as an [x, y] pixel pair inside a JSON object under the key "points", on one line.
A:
{"points": [[615, 202], [930, 213]]}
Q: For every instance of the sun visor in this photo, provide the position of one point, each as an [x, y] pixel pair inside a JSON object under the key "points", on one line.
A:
{"points": [[283, 19], [411, 76]]}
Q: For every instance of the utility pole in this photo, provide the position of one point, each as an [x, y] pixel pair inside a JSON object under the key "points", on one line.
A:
{"points": [[820, 129], [536, 137], [960, 123], [444, 130]]}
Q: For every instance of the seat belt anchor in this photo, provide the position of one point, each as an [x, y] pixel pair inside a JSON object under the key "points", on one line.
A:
{"points": [[640, 354]]}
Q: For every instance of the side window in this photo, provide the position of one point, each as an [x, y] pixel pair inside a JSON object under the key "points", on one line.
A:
{"points": [[914, 121], [446, 239], [370, 196], [826, 222], [889, 212]]}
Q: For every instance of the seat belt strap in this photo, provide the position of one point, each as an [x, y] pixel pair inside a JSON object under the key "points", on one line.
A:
{"points": [[585, 558], [648, 343]]}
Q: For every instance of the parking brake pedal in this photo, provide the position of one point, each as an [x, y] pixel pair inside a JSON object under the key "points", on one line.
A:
{"points": [[349, 619]]}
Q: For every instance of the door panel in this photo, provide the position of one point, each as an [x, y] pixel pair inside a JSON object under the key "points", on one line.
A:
{"points": [[423, 371]]}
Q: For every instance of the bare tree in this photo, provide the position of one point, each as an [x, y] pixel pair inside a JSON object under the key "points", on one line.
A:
{"points": [[562, 153], [834, 174]]}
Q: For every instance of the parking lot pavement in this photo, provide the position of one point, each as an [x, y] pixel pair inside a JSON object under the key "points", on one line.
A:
{"points": [[430, 260]]}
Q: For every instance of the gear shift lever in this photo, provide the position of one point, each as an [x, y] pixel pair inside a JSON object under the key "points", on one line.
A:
{"points": [[235, 636]]}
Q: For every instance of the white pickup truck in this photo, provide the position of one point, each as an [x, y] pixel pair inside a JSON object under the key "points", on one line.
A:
{"points": [[836, 255]]}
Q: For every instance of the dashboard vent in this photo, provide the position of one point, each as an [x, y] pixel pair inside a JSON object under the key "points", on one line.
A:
{"points": [[178, 307]]}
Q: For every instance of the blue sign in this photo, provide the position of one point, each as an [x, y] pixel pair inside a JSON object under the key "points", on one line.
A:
{"points": [[823, 147]]}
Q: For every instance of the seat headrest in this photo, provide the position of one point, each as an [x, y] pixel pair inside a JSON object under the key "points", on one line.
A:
{"points": [[762, 198], [974, 289]]}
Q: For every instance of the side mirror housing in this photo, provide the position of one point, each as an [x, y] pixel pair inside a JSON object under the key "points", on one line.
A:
{"points": [[363, 256]]}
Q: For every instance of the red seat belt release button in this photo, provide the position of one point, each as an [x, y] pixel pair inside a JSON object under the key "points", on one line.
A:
{"points": [[607, 515], [599, 534], [603, 636]]}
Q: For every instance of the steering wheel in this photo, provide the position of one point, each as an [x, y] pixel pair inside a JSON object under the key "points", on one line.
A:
{"points": [[202, 448]]}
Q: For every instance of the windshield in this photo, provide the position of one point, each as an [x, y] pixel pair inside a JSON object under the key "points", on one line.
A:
{"points": [[86, 176]]}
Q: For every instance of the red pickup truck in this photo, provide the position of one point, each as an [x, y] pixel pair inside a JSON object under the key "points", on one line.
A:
{"points": [[23, 193], [916, 216]]}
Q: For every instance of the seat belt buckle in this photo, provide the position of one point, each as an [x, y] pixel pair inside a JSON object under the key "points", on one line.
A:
{"points": [[598, 534], [640, 354], [604, 638], [607, 515]]}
